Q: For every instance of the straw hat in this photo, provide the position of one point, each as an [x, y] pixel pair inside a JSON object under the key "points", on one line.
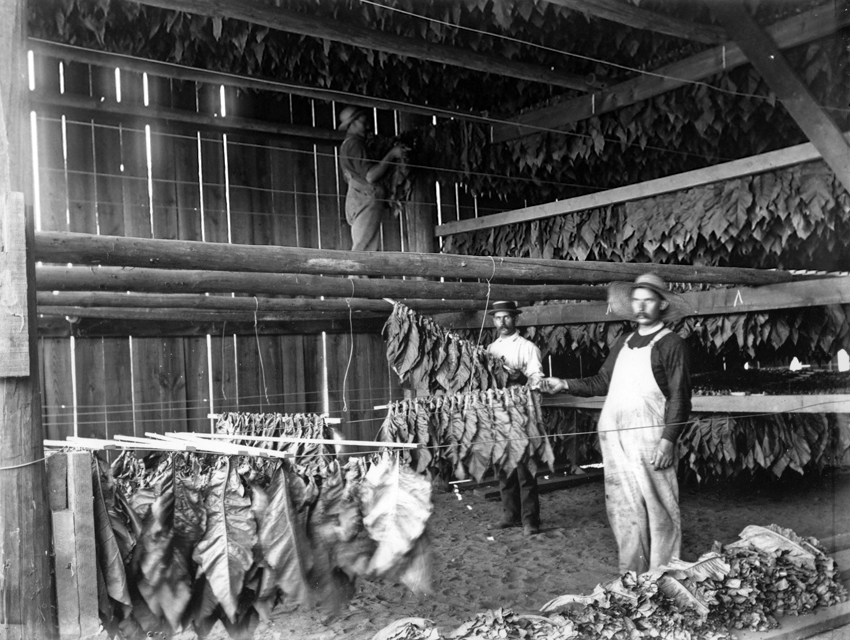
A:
{"points": [[620, 298], [349, 115], [505, 305]]}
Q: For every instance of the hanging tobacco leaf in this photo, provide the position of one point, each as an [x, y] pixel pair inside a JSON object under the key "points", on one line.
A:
{"points": [[109, 555], [163, 559], [283, 544], [396, 506], [225, 553]]}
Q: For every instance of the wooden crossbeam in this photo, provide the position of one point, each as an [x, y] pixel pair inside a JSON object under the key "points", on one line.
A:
{"points": [[95, 107], [812, 25], [192, 74], [633, 16], [229, 303], [831, 290], [768, 60], [770, 161], [276, 17], [89, 249]]}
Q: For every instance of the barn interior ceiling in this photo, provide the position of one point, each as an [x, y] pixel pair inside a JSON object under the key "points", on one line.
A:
{"points": [[522, 76]]}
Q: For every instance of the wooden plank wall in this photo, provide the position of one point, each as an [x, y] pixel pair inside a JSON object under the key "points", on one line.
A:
{"points": [[132, 176]]}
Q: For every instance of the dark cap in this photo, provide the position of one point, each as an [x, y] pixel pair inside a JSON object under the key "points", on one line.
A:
{"points": [[505, 305]]}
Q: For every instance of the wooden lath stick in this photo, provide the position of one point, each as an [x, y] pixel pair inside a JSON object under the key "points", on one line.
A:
{"points": [[296, 440], [217, 416]]}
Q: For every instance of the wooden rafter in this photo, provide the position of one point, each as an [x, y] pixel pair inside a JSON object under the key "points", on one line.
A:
{"points": [[769, 161], [256, 12], [632, 16], [809, 26], [786, 295], [89, 249], [200, 282], [190, 74], [94, 107], [768, 60]]}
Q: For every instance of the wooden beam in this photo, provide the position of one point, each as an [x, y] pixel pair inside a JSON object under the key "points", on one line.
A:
{"points": [[207, 315], [769, 161], [94, 107], [821, 403], [812, 25], [28, 608], [89, 249], [789, 295], [275, 17], [229, 303], [637, 18], [59, 327], [198, 282], [768, 60], [181, 72]]}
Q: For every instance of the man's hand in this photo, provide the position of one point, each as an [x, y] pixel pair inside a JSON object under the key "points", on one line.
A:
{"points": [[553, 385], [662, 457]]}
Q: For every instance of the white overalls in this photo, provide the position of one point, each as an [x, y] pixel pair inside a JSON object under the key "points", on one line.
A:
{"points": [[642, 502]]}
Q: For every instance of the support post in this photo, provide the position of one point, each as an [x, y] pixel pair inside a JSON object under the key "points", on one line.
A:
{"points": [[27, 593], [420, 216]]}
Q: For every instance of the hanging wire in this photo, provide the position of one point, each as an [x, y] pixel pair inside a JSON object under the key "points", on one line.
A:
{"points": [[486, 303], [351, 349], [260, 352]]}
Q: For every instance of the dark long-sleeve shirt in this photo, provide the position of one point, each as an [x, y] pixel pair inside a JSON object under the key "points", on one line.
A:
{"points": [[671, 368]]}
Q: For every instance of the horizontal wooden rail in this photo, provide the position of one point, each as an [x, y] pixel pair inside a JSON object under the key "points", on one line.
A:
{"points": [[727, 171], [789, 295], [228, 303], [193, 281], [827, 403], [103, 111], [88, 249]]}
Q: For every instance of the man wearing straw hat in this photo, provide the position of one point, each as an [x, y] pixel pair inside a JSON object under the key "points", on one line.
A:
{"points": [[365, 200], [647, 382], [521, 357]]}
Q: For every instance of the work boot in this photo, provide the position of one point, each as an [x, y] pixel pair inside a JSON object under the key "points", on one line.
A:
{"points": [[530, 530]]}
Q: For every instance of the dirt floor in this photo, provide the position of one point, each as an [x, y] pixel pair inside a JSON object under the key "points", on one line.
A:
{"points": [[476, 569]]}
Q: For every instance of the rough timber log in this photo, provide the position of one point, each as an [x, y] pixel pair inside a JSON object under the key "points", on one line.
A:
{"points": [[189, 281], [86, 249]]}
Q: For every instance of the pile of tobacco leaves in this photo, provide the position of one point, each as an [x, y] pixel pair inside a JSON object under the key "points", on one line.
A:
{"points": [[185, 540], [768, 573], [770, 381]]}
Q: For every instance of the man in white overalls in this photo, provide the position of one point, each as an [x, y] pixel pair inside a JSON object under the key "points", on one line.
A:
{"points": [[647, 382]]}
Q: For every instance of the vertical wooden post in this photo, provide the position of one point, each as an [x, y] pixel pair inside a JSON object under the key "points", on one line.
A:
{"points": [[420, 214], [27, 594]]}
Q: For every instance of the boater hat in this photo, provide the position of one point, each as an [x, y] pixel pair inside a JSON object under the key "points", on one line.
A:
{"points": [[349, 115], [620, 298], [509, 306]]}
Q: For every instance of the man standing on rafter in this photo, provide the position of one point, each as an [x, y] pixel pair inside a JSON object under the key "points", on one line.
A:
{"points": [[365, 201]]}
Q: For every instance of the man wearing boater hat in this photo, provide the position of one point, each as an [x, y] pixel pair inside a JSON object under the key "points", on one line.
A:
{"points": [[365, 201], [647, 382], [518, 489]]}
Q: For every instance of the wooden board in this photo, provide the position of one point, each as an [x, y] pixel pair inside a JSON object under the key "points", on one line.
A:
{"points": [[332, 226], [58, 400], [79, 162], [224, 373], [651, 188], [825, 403], [159, 384], [134, 174], [293, 383], [118, 388], [91, 376], [108, 162], [14, 312], [197, 384]]}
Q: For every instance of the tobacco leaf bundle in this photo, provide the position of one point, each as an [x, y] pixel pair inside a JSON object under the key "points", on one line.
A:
{"points": [[428, 356], [465, 434]]}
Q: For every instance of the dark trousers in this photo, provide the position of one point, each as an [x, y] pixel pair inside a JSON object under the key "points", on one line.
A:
{"points": [[520, 499]]}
